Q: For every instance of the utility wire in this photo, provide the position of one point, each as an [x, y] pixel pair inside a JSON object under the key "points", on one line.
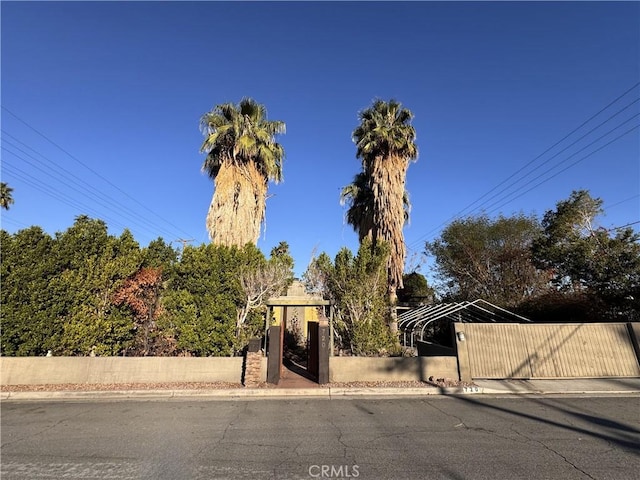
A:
{"points": [[559, 142], [420, 239], [623, 226], [568, 167], [431, 232], [567, 159], [13, 222], [67, 179], [560, 152], [74, 203], [56, 194], [90, 169], [622, 201]]}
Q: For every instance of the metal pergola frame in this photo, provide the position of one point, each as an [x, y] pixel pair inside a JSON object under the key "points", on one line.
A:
{"points": [[477, 311]]}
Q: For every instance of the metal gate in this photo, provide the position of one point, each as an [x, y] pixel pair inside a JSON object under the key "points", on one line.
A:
{"points": [[313, 349], [550, 350]]}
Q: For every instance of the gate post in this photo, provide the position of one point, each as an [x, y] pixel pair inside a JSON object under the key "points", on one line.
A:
{"points": [[324, 341], [274, 358], [464, 367]]}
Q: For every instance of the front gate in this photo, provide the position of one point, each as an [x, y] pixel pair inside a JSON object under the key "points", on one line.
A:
{"points": [[318, 339], [313, 349], [317, 353]]}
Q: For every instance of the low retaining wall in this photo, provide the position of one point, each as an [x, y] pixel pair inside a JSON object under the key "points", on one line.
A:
{"points": [[391, 369], [97, 370], [57, 370]]}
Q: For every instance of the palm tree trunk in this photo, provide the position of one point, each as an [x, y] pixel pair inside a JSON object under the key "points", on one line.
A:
{"points": [[388, 185], [238, 205], [393, 310]]}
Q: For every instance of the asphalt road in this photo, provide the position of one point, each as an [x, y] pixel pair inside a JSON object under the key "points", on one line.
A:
{"points": [[472, 437]]}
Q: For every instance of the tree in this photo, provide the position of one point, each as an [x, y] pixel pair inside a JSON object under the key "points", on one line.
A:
{"points": [[29, 306], [416, 290], [258, 285], [586, 258], [358, 287], [479, 257], [259, 282], [93, 265], [57, 293], [385, 143], [159, 254], [204, 296], [359, 197], [242, 156], [141, 293], [6, 199]]}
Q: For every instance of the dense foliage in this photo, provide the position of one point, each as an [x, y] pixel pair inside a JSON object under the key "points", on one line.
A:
{"points": [[358, 287], [585, 260], [479, 257], [416, 291], [86, 292], [379, 203], [563, 268]]}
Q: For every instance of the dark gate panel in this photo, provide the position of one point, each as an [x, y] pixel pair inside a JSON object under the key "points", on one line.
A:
{"points": [[312, 349], [323, 353], [274, 355]]}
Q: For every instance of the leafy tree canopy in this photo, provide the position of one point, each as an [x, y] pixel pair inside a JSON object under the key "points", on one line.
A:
{"points": [[358, 286], [586, 258], [416, 290], [479, 257]]}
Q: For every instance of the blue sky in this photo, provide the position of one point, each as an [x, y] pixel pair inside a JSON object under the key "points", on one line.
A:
{"points": [[102, 101]]}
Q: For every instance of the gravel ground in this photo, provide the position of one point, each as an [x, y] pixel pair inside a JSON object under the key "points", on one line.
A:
{"points": [[87, 387]]}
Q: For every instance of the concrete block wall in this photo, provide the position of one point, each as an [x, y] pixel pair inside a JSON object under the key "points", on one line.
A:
{"points": [[96, 370], [391, 369]]}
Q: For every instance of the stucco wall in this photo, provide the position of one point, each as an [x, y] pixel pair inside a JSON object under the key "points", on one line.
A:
{"points": [[57, 370], [374, 369]]}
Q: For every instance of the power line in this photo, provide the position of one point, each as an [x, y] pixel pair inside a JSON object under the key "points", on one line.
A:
{"points": [[429, 233], [89, 168], [56, 194], [623, 226], [560, 152], [568, 167], [411, 245], [14, 222], [622, 201], [560, 141], [67, 179], [566, 159]]}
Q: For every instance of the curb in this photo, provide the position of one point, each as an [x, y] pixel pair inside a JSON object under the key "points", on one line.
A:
{"points": [[321, 392], [235, 393]]}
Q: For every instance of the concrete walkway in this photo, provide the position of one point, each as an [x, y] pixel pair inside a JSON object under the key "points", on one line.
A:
{"points": [[601, 386], [562, 386]]}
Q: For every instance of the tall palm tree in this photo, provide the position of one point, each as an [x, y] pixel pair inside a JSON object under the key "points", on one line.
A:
{"points": [[6, 199], [360, 200], [242, 156], [359, 197], [385, 141]]}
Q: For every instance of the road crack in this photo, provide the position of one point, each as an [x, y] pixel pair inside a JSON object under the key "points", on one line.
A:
{"points": [[555, 452]]}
